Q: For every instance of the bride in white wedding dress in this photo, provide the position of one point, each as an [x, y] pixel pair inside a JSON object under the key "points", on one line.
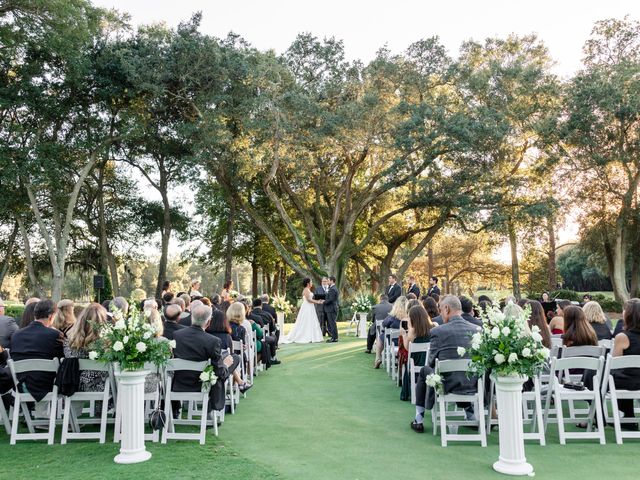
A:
{"points": [[307, 326]]}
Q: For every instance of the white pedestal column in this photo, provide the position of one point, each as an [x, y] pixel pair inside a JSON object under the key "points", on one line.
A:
{"points": [[280, 316], [131, 398], [362, 325], [509, 399]]}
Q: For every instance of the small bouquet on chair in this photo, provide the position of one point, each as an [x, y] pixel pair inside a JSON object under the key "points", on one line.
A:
{"points": [[434, 381], [208, 378]]}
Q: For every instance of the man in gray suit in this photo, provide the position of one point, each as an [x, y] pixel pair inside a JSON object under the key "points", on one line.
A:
{"points": [[453, 333], [7, 327], [378, 312]]}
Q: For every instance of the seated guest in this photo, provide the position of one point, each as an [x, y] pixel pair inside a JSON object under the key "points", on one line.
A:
{"points": [[267, 307], [628, 343], [411, 296], [398, 314], [217, 318], [431, 306], [65, 316], [185, 316], [595, 316], [215, 301], [28, 315], [194, 344], [577, 330], [38, 340], [80, 341], [168, 297], [467, 311], [539, 319], [8, 327], [268, 343], [453, 333], [256, 308], [121, 304], [220, 327], [171, 323], [419, 331], [556, 325], [379, 311]]}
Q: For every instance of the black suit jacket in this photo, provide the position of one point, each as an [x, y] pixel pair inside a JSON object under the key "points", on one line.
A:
{"points": [[170, 328], [394, 292], [471, 319], [37, 341], [185, 319], [415, 289], [193, 343], [330, 305], [435, 289], [266, 318], [270, 310]]}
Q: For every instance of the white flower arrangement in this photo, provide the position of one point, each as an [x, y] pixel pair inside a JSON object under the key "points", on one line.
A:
{"points": [[505, 346], [281, 304], [434, 381], [208, 378], [361, 303], [130, 342]]}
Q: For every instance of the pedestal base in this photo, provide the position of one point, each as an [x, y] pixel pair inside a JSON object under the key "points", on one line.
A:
{"points": [[510, 468], [362, 325], [132, 457]]}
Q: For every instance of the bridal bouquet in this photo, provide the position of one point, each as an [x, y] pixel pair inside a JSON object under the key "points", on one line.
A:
{"points": [[362, 303], [506, 346], [281, 305], [130, 342]]}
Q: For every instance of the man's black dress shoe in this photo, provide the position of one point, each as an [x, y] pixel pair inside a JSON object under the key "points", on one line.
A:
{"points": [[417, 427]]}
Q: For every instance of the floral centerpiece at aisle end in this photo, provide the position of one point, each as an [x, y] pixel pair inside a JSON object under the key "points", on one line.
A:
{"points": [[361, 303], [280, 303], [506, 346], [512, 353], [130, 342]]}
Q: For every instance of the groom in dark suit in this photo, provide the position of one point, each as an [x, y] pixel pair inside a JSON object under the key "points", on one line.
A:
{"points": [[321, 294], [330, 309]]}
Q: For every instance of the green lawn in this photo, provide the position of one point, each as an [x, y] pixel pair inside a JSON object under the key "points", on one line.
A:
{"points": [[325, 413]]}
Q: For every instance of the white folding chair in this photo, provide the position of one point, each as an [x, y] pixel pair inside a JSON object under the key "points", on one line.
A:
{"points": [[5, 416], [580, 351], [605, 343], [532, 413], [21, 400], [353, 324], [69, 417], [414, 369], [238, 349], [391, 350], [169, 431], [614, 394], [556, 341], [444, 418], [258, 366], [562, 394]]}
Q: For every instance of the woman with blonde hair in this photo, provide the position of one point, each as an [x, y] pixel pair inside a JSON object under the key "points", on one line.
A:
{"points": [[80, 340], [596, 317], [394, 321], [65, 316]]}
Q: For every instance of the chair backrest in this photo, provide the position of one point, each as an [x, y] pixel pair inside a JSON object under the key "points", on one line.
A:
{"points": [[238, 345], [556, 341], [419, 347], [85, 364], [32, 365], [392, 333], [583, 351], [628, 361], [177, 364], [447, 366], [605, 343], [585, 363]]}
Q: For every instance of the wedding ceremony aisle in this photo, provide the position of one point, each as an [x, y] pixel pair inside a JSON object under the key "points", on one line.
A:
{"points": [[324, 413]]}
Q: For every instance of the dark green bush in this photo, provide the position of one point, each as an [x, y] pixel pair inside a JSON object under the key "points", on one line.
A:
{"points": [[14, 311]]}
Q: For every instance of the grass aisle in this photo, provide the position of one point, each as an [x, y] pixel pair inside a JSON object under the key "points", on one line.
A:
{"points": [[323, 414]]}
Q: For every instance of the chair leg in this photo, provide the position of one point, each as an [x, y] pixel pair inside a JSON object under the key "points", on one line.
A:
{"points": [[480, 416], [443, 422], [16, 418], [537, 419], [560, 418], [52, 418], [598, 407], [65, 421]]}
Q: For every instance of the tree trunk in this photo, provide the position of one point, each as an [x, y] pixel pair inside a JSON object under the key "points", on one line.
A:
{"points": [[10, 246], [430, 262], [166, 235], [37, 289], [551, 259], [515, 267], [228, 265], [619, 274], [254, 277]]}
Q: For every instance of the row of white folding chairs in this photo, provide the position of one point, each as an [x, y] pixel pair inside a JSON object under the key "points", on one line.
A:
{"points": [[70, 419]]}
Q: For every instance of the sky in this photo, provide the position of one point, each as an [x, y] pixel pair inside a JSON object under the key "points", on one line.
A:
{"points": [[366, 26]]}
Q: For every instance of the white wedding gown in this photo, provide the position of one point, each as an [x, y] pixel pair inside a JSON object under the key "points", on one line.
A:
{"points": [[307, 327]]}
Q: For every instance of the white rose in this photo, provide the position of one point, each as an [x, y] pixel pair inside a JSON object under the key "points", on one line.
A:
{"points": [[120, 325], [544, 352], [461, 351], [498, 316], [93, 355], [499, 358], [526, 352], [141, 347], [204, 376], [475, 346], [506, 331], [535, 329], [118, 346], [476, 337], [495, 332], [437, 378], [147, 335], [125, 339], [536, 336], [513, 358], [172, 343]]}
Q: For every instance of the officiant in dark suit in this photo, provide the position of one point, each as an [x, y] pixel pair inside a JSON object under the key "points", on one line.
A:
{"points": [[330, 309], [394, 290], [320, 293], [413, 287]]}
